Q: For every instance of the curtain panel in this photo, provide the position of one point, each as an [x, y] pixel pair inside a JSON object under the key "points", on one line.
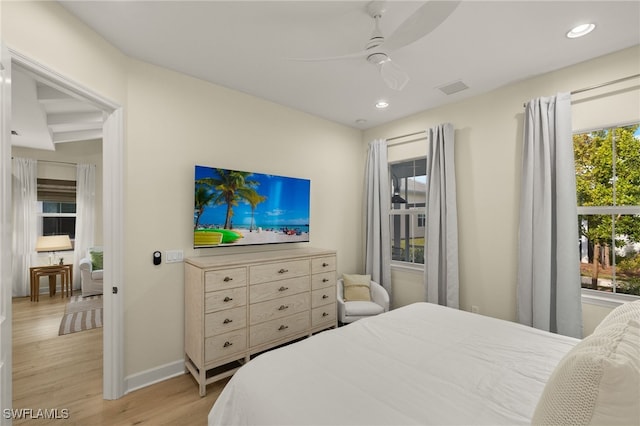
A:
{"points": [[549, 291], [85, 215], [377, 208], [24, 201], [441, 254]]}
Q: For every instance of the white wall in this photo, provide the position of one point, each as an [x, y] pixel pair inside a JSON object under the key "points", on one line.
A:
{"points": [[173, 122], [488, 161]]}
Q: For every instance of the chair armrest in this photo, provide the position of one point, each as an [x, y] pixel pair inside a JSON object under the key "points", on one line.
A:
{"points": [[340, 299], [85, 264], [379, 295]]}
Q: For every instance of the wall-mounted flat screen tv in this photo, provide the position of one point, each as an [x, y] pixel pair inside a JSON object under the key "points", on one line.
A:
{"points": [[236, 208]]}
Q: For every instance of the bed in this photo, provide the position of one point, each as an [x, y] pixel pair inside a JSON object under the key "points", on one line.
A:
{"points": [[421, 364]]}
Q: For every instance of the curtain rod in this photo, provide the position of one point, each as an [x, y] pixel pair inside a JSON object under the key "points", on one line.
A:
{"points": [[67, 163], [406, 136], [608, 83], [597, 86], [54, 162]]}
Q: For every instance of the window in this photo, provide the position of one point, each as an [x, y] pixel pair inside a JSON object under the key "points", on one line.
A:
{"points": [[607, 165], [408, 210], [57, 207]]}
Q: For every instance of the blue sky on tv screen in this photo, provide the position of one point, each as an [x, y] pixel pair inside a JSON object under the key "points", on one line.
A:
{"points": [[286, 204]]}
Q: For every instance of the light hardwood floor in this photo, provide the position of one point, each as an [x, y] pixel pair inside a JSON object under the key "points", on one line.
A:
{"points": [[65, 372]]}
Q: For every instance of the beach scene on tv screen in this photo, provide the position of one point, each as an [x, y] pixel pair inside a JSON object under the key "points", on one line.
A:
{"points": [[243, 208]]}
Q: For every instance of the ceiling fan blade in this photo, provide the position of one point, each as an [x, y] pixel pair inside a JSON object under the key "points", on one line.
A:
{"points": [[419, 24], [394, 76], [354, 55]]}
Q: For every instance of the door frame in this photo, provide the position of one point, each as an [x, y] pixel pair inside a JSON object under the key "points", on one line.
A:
{"points": [[6, 237], [113, 223]]}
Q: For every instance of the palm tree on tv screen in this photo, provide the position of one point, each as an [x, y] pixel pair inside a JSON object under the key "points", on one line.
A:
{"points": [[253, 198], [230, 186], [204, 196]]}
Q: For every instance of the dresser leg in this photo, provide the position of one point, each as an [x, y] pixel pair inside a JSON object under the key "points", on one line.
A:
{"points": [[203, 387]]}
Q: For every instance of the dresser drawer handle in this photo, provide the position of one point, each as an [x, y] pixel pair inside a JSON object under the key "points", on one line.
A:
{"points": [[227, 321], [227, 344], [324, 296], [283, 327], [227, 279], [325, 264], [324, 280], [228, 299], [283, 307], [324, 314], [283, 288], [282, 271]]}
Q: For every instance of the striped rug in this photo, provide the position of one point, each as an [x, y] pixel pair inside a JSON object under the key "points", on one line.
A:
{"points": [[81, 313]]}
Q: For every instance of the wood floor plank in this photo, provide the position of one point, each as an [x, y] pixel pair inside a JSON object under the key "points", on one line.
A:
{"points": [[65, 372]]}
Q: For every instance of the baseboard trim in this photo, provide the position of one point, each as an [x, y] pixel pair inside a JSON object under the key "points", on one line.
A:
{"points": [[154, 375]]}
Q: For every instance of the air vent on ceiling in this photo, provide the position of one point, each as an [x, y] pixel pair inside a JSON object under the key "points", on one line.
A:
{"points": [[455, 87]]}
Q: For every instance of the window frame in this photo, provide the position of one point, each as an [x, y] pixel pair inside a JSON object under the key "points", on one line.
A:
{"points": [[417, 215], [55, 191], [600, 297]]}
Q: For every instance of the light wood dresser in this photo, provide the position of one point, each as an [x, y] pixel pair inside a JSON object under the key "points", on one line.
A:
{"points": [[237, 305]]}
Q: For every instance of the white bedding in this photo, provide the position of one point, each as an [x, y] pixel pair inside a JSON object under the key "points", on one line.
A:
{"points": [[421, 364]]}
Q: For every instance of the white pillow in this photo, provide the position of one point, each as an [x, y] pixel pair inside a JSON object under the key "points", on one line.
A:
{"points": [[621, 314], [597, 382]]}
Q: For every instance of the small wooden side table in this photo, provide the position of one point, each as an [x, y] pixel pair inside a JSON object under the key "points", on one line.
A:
{"points": [[52, 271]]}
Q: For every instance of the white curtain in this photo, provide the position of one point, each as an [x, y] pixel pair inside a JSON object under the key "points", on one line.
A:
{"points": [[549, 295], [25, 232], [85, 215], [378, 205], [441, 254]]}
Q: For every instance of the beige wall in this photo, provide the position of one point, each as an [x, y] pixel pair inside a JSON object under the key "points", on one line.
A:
{"points": [[173, 122], [176, 122], [488, 158]]}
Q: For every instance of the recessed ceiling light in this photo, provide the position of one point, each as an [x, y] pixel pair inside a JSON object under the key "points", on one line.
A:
{"points": [[382, 104], [581, 30]]}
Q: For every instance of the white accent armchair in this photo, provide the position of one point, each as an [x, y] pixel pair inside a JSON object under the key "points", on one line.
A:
{"points": [[91, 278], [350, 311]]}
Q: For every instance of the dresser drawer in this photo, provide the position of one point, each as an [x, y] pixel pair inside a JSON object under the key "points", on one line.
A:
{"points": [[323, 264], [323, 296], [278, 308], [325, 279], [224, 321], [278, 329], [323, 314], [224, 279], [277, 289], [278, 271], [225, 299], [225, 345]]}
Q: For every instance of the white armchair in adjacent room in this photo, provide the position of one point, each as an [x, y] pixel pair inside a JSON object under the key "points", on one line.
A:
{"points": [[363, 298], [91, 272]]}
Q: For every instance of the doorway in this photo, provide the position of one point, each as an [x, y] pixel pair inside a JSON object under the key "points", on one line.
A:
{"points": [[112, 164]]}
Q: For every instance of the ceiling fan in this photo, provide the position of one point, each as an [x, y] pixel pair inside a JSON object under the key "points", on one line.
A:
{"points": [[377, 50]]}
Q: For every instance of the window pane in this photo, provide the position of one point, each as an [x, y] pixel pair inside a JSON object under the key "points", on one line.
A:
{"points": [[407, 238], [409, 180], [50, 207], [609, 253], [67, 207], [607, 166], [59, 226]]}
